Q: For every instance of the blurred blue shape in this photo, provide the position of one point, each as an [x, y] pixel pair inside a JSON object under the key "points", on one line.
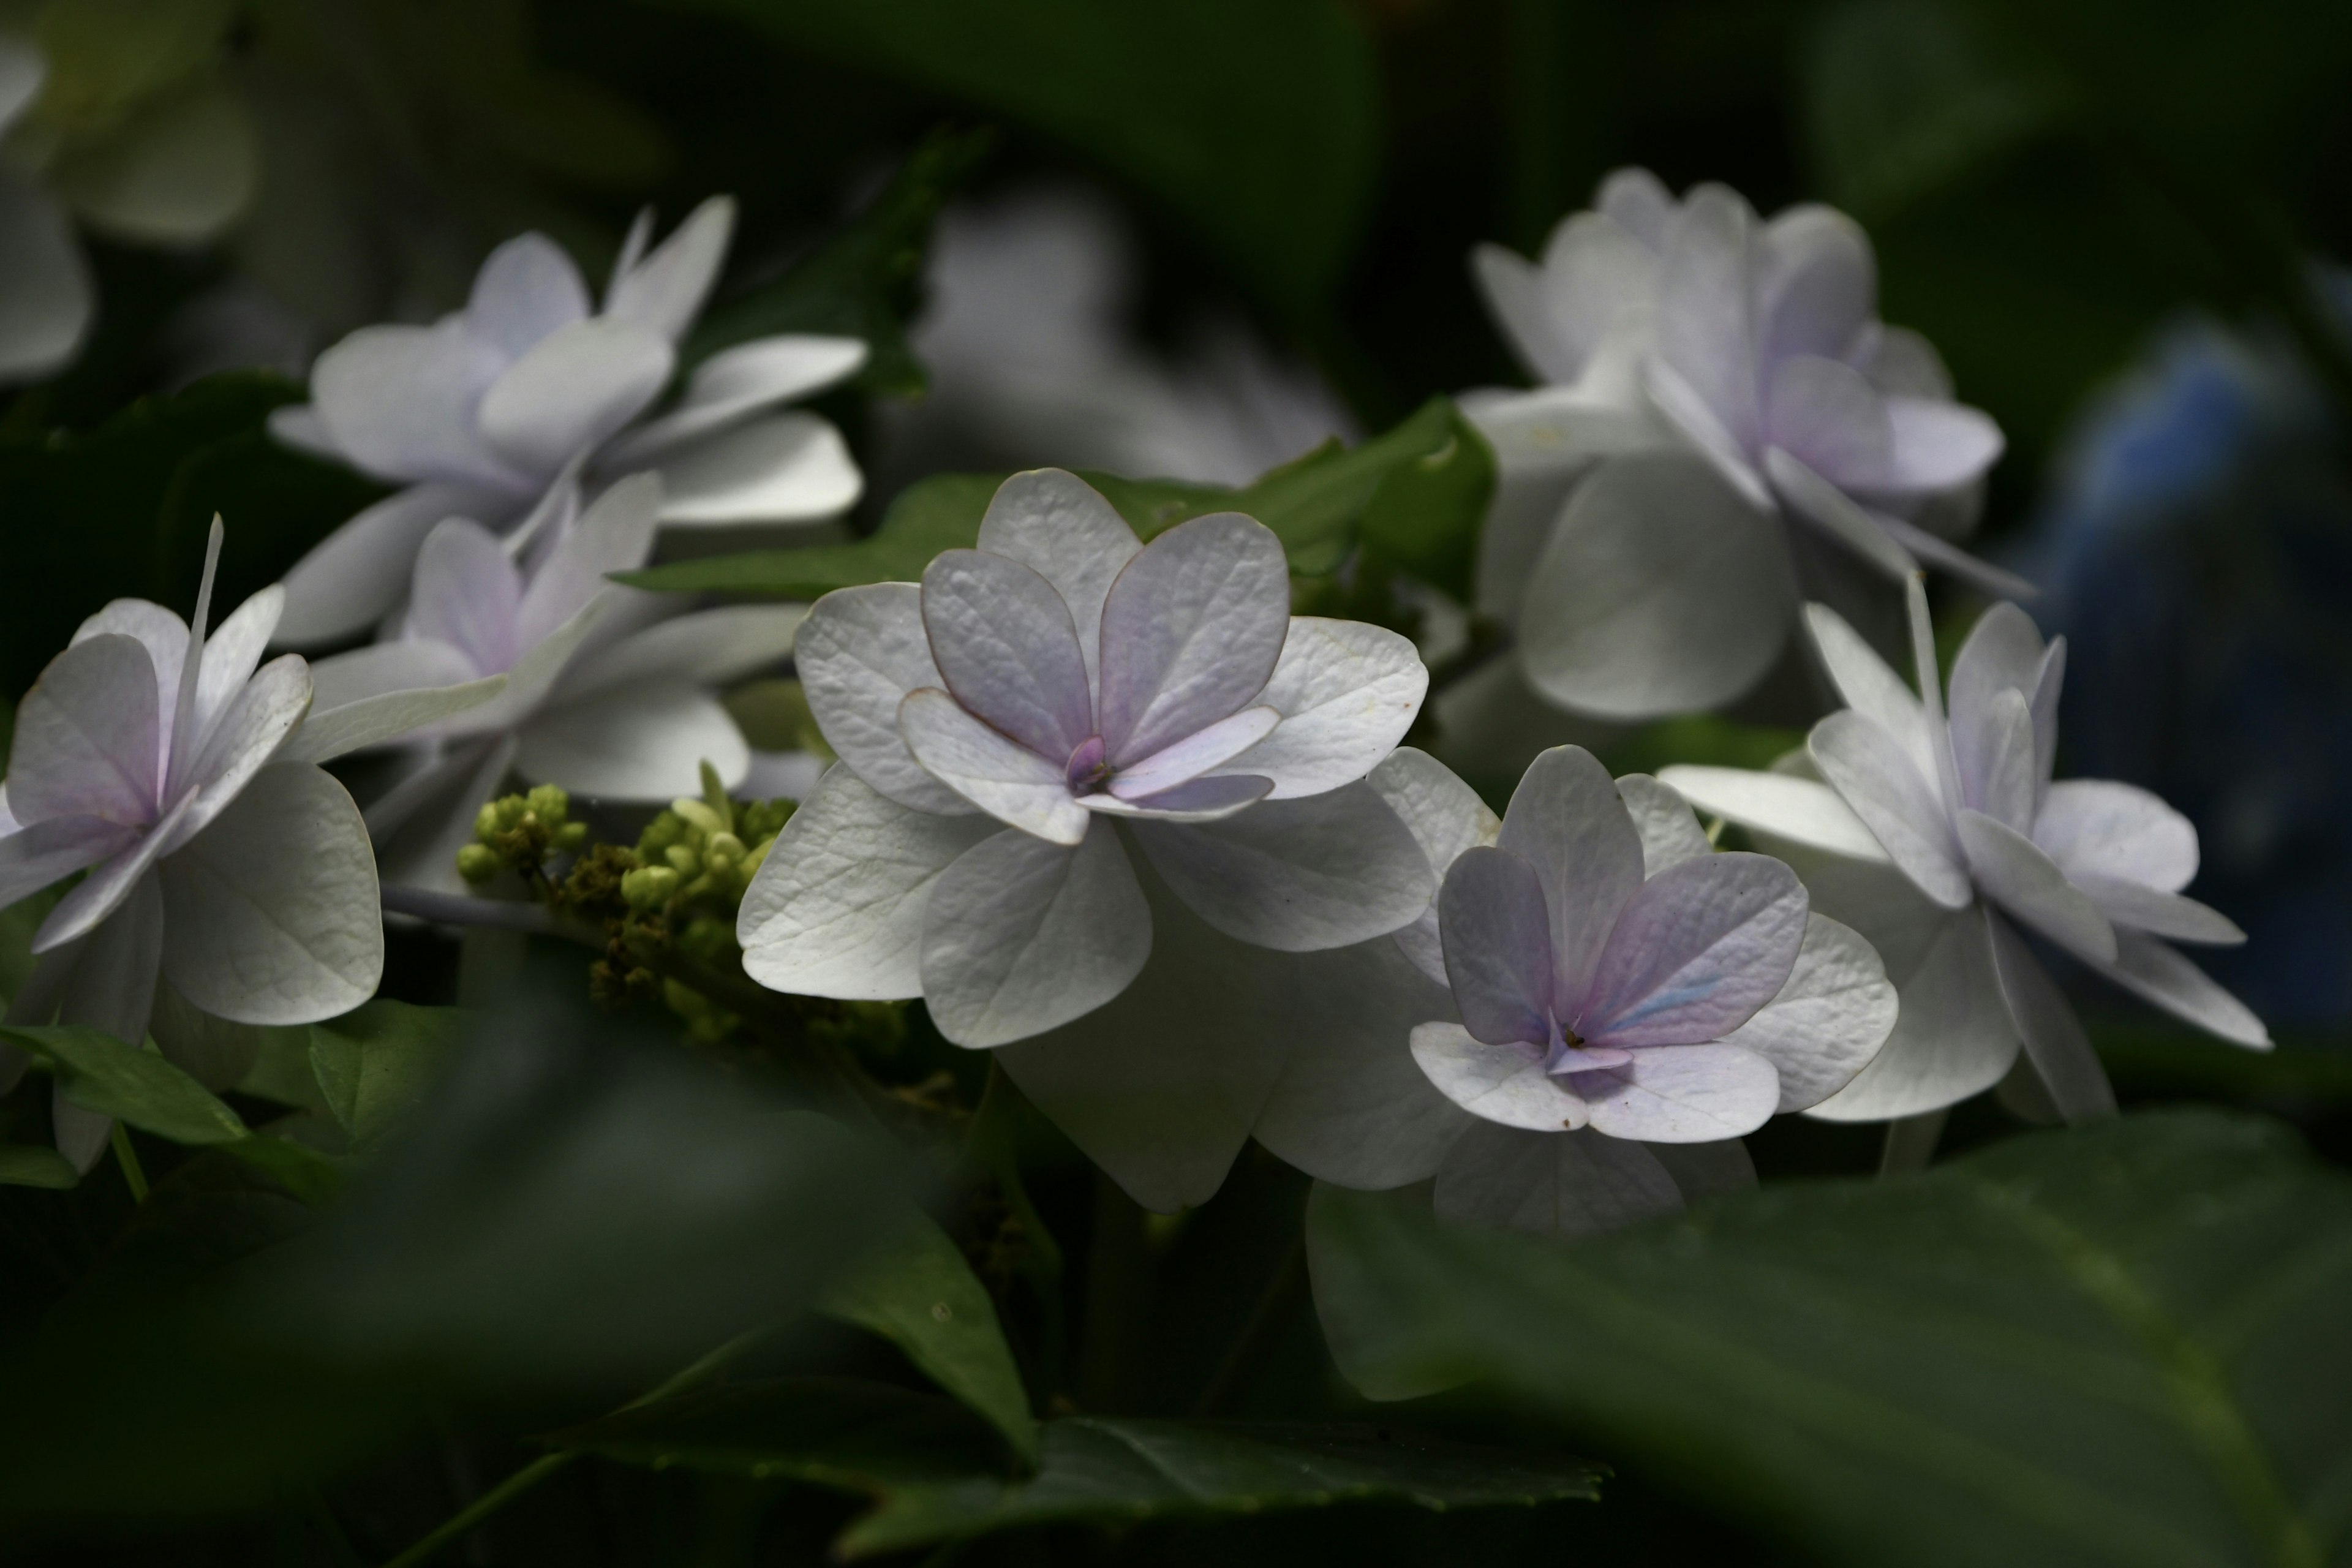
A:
{"points": [[2197, 550]]}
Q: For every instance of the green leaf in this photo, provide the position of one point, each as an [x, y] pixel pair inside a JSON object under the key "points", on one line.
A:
{"points": [[33, 1166], [1700, 738], [929, 1467], [1423, 485], [864, 281], [100, 1073], [122, 510], [2121, 1344], [1255, 121], [920, 1295], [374, 1064], [307, 1173]]}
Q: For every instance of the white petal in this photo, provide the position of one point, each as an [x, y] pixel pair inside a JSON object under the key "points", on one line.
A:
{"points": [[663, 292], [737, 383], [1007, 648], [541, 666], [248, 736], [572, 390], [709, 647], [1022, 935], [615, 534], [996, 773], [400, 403], [271, 914], [836, 908], [2018, 877], [1446, 817], [1868, 768], [1552, 1183], [1870, 686], [32, 857], [2054, 1042], [1812, 497], [1298, 875], [1817, 283], [1351, 1106], [1953, 1036], [417, 845], [1513, 290], [1347, 692], [1195, 800], [1502, 1083], [233, 652], [1682, 1094], [467, 594], [527, 289], [1567, 820], [2097, 827], [164, 634], [1199, 753], [1992, 749], [2153, 972], [1824, 413], [381, 669], [1827, 1021], [47, 307], [1938, 444], [1695, 951], [102, 892], [784, 468], [1801, 810], [1191, 631], [384, 718], [297, 425], [2003, 653], [350, 580], [87, 736], [2158, 913], [1935, 551], [1061, 529], [1706, 321], [859, 652], [1670, 835], [643, 741], [1660, 591]]}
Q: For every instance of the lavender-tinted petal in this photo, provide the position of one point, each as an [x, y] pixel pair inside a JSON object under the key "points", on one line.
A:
{"points": [[1697, 949], [1497, 943], [1567, 820], [1191, 631]]}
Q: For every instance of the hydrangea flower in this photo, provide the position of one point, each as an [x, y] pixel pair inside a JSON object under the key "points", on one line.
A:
{"points": [[1012, 725], [1932, 835], [605, 688], [526, 388], [222, 862], [1706, 373]]}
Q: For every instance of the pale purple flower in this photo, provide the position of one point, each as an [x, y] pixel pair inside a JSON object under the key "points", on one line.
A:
{"points": [[221, 860], [529, 387], [990, 718], [1598, 985], [1932, 835], [1707, 374], [604, 690]]}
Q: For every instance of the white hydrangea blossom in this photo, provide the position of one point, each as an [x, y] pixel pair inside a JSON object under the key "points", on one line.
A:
{"points": [[606, 689], [1931, 835], [528, 388], [221, 861], [992, 717], [1705, 375]]}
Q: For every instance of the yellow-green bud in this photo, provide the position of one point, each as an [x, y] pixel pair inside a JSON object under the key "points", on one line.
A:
{"points": [[756, 858], [721, 850], [571, 836], [477, 862], [699, 814], [648, 887], [553, 805], [486, 822], [684, 859]]}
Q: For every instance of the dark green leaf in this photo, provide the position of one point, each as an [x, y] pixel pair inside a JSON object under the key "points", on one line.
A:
{"points": [[2122, 1344], [1268, 147], [373, 1065], [309, 1175], [862, 281], [1426, 479], [930, 1470], [920, 1295], [123, 510], [100, 1073], [33, 1166]]}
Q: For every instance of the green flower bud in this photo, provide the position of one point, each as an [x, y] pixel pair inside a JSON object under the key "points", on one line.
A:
{"points": [[477, 862], [721, 851], [698, 813], [571, 836], [553, 805], [487, 824], [648, 888], [684, 859]]}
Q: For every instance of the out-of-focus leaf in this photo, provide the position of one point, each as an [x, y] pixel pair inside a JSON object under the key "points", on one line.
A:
{"points": [[920, 1295], [2118, 1345], [1423, 480], [310, 1174], [1255, 121], [374, 1064], [570, 1219], [122, 510], [100, 1073], [930, 1470], [862, 281], [1700, 738], [1903, 95], [32, 1165]]}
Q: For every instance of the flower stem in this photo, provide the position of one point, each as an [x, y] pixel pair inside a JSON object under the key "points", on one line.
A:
{"points": [[127, 1158], [1259, 1337], [1910, 1142]]}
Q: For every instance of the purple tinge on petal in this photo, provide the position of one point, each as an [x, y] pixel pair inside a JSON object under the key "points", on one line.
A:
{"points": [[1004, 641], [466, 593], [1191, 630], [1695, 952], [1826, 415], [1565, 1059], [1195, 800], [1938, 445], [1086, 769], [1195, 754], [1498, 942], [1568, 821]]}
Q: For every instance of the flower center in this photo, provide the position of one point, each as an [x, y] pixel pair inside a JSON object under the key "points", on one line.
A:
{"points": [[1089, 768]]}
